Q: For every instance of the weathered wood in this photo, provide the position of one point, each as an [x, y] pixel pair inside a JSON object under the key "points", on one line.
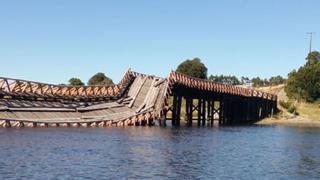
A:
{"points": [[199, 111], [174, 111], [189, 111], [100, 106], [211, 111], [136, 99], [203, 115], [43, 109], [137, 89], [179, 110]]}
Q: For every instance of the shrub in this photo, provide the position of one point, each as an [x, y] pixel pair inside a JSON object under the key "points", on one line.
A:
{"points": [[289, 106], [293, 110], [284, 104]]}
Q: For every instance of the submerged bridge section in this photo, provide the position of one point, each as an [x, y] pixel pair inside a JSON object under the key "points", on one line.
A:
{"points": [[138, 99]]}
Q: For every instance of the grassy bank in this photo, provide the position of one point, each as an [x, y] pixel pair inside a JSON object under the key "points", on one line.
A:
{"points": [[309, 110], [306, 111]]}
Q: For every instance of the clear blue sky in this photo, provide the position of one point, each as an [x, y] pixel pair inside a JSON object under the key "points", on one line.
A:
{"points": [[51, 41]]}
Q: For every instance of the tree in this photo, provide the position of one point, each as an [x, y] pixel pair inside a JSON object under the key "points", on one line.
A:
{"points": [[304, 84], [75, 82], [313, 58], [194, 68], [266, 82], [245, 80], [257, 82], [230, 80], [276, 80], [100, 79]]}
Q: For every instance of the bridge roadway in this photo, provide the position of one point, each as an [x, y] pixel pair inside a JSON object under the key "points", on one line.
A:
{"points": [[138, 99]]}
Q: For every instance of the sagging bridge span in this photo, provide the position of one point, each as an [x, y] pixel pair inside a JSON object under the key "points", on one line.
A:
{"points": [[138, 99]]}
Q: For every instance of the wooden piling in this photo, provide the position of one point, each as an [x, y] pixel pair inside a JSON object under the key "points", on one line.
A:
{"points": [[203, 113], [199, 111]]}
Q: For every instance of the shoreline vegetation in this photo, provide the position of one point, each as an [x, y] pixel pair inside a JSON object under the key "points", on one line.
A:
{"points": [[308, 114]]}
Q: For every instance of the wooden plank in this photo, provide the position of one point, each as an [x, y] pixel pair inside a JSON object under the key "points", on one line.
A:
{"points": [[159, 82], [142, 94], [147, 96], [43, 109], [100, 106], [136, 93]]}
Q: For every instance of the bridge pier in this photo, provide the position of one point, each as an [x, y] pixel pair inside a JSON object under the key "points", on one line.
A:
{"points": [[199, 112], [176, 112], [203, 112], [163, 119], [219, 106], [222, 112], [189, 111], [210, 112]]}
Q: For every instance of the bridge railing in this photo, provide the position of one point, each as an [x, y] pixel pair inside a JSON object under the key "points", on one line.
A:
{"points": [[207, 85], [9, 86]]}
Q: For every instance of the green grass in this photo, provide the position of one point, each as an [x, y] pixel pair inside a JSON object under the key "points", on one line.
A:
{"points": [[310, 110], [307, 110]]}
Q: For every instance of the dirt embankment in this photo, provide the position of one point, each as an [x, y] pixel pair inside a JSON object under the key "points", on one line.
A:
{"points": [[293, 121], [309, 114]]}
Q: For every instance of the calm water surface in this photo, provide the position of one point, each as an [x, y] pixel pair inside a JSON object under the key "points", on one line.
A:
{"points": [[246, 152]]}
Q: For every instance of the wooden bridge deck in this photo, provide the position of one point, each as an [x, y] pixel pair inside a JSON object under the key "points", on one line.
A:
{"points": [[137, 100], [140, 99]]}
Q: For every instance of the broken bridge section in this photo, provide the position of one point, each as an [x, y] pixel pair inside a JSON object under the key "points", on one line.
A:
{"points": [[134, 101], [138, 99]]}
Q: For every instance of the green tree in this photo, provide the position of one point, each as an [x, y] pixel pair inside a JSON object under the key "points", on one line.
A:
{"points": [[304, 84], [266, 82], [257, 82], [75, 82], [313, 58], [230, 80], [245, 80], [276, 80], [100, 79], [194, 68]]}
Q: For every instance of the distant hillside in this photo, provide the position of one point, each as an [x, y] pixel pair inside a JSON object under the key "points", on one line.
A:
{"points": [[277, 90]]}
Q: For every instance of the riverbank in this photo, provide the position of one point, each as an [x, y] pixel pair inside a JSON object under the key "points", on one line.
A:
{"points": [[308, 112], [296, 121]]}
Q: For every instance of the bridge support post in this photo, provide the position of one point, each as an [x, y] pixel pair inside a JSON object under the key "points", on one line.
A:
{"points": [[199, 111], [162, 120], [176, 110], [189, 110], [222, 111], [210, 112], [247, 109], [228, 120], [203, 113], [226, 110]]}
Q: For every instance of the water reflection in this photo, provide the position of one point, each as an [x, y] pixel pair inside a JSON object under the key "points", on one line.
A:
{"points": [[245, 152]]}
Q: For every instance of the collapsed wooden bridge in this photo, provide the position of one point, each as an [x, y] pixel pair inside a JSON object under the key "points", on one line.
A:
{"points": [[138, 99]]}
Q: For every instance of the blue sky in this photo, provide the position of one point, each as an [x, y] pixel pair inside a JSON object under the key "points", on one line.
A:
{"points": [[51, 41]]}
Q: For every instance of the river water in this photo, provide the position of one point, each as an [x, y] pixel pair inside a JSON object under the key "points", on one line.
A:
{"points": [[242, 152]]}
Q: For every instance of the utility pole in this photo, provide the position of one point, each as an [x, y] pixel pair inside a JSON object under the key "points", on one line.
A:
{"points": [[310, 45]]}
